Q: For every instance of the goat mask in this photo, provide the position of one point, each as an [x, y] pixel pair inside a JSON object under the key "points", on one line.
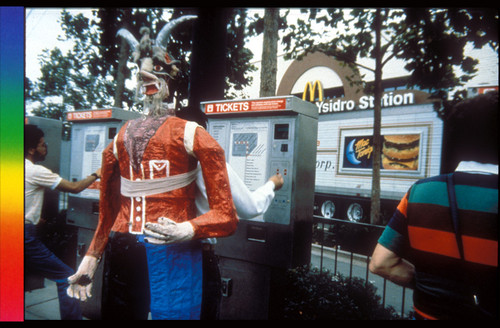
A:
{"points": [[156, 66]]}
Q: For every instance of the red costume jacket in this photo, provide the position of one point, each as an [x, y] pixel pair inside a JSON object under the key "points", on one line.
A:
{"points": [[153, 148]]}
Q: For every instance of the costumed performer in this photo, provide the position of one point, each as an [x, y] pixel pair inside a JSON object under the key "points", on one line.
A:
{"points": [[148, 176]]}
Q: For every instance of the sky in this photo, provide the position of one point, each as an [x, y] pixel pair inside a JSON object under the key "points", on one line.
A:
{"points": [[43, 27]]}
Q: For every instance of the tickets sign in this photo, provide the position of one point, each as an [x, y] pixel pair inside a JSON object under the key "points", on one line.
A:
{"points": [[89, 115], [242, 106]]}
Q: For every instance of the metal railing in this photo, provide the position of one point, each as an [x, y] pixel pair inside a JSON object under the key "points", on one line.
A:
{"points": [[344, 247]]}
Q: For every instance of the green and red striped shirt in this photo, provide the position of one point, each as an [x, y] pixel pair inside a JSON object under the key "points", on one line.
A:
{"points": [[421, 230]]}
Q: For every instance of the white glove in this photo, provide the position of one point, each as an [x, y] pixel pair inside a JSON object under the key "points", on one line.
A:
{"points": [[167, 231], [81, 281]]}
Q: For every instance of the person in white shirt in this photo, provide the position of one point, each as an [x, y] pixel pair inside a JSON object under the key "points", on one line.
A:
{"points": [[37, 257], [248, 204]]}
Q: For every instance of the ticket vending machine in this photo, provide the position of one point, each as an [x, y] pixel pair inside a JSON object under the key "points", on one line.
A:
{"points": [[262, 137], [91, 132]]}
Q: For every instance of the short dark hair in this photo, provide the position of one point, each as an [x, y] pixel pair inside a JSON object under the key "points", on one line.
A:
{"points": [[32, 136], [474, 129]]}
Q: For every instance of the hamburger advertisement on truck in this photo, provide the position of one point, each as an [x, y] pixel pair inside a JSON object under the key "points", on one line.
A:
{"points": [[412, 136]]}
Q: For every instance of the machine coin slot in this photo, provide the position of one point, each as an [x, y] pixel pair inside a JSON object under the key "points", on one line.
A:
{"points": [[111, 133], [227, 286], [256, 233], [81, 249], [284, 148], [95, 207]]}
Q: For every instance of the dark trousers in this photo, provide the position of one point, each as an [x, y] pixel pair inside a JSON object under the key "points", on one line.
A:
{"points": [[38, 258], [125, 279], [212, 289]]}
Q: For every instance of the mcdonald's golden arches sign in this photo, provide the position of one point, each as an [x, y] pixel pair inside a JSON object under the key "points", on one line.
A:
{"points": [[311, 88]]}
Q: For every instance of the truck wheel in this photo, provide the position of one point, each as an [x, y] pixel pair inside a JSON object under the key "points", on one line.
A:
{"points": [[355, 212], [328, 209]]}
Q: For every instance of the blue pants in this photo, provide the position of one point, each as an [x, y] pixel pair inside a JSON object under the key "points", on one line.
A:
{"points": [[175, 278], [38, 258]]}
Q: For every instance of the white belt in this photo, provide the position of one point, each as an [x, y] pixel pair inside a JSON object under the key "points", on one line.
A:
{"points": [[150, 187]]}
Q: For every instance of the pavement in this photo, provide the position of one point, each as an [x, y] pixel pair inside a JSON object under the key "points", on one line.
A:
{"points": [[42, 303]]}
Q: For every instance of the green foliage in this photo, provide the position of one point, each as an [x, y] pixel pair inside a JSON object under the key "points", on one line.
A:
{"points": [[71, 80], [430, 41], [89, 74], [311, 294], [238, 56]]}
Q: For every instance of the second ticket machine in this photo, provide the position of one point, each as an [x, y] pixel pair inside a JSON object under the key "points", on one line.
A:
{"points": [[91, 132]]}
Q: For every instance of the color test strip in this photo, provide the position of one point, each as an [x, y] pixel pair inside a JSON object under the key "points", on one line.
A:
{"points": [[11, 163]]}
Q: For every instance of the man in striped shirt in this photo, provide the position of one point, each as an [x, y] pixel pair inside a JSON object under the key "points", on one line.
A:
{"points": [[453, 268]]}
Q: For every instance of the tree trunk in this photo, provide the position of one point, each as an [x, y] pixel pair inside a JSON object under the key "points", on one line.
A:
{"points": [[120, 75], [208, 61], [377, 142], [269, 53]]}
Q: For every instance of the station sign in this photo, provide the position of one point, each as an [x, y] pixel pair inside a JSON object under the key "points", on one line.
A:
{"points": [[364, 102]]}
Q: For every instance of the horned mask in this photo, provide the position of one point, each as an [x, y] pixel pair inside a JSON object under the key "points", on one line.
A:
{"points": [[156, 66]]}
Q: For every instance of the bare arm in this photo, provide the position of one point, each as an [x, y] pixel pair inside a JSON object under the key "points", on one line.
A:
{"points": [[77, 186], [387, 264]]}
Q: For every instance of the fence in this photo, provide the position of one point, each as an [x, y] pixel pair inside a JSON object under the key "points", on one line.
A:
{"points": [[345, 248]]}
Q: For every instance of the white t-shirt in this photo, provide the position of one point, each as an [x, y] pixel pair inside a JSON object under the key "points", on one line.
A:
{"points": [[36, 178], [476, 167]]}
